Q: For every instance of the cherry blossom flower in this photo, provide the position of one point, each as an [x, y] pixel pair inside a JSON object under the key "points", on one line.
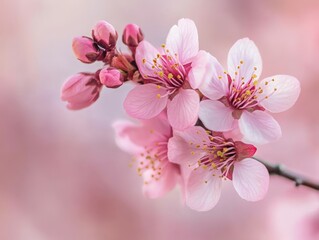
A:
{"points": [[85, 49], [210, 159], [148, 143], [105, 35], [168, 78], [80, 90], [111, 77], [132, 36], [239, 94]]}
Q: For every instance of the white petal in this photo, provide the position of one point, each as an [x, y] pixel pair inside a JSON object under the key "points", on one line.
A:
{"points": [[202, 190], [244, 53], [183, 40], [282, 92], [216, 116], [207, 74], [259, 127], [250, 179]]}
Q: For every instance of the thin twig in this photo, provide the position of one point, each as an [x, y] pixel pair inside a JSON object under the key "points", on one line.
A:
{"points": [[280, 170]]}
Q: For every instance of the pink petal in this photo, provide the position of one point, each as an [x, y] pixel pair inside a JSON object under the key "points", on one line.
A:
{"points": [[169, 178], [150, 131], [250, 179], [216, 116], [159, 126], [282, 92], [145, 101], [208, 75], [244, 53], [123, 138], [259, 127], [182, 147], [202, 190], [182, 111], [144, 56], [183, 40]]}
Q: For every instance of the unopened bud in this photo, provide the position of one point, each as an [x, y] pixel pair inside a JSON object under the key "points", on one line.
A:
{"points": [[80, 91], [105, 35], [85, 49], [111, 77], [132, 35]]}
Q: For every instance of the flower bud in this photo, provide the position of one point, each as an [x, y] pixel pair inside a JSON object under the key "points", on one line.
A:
{"points": [[105, 35], [80, 90], [111, 77], [85, 49], [132, 35]]}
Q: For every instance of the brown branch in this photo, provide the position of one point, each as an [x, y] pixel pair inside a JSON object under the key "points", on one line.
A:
{"points": [[280, 170]]}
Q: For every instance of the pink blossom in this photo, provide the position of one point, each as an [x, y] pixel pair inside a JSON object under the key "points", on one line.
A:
{"points": [[209, 158], [148, 143], [132, 35], [105, 35], [111, 77], [80, 90], [239, 95], [168, 79], [85, 49]]}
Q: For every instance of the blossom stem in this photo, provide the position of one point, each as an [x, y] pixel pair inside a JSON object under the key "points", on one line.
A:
{"points": [[280, 170]]}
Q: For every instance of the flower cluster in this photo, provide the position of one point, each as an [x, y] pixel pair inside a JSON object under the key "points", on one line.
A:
{"points": [[197, 120]]}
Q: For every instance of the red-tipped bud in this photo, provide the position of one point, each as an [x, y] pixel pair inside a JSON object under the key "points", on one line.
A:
{"points": [[85, 49], [132, 35], [80, 90], [105, 35], [111, 77]]}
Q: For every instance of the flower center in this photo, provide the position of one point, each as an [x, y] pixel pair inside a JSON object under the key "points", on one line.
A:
{"points": [[246, 93], [169, 72], [220, 156]]}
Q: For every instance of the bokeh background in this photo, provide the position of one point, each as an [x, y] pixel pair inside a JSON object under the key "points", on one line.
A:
{"points": [[62, 176]]}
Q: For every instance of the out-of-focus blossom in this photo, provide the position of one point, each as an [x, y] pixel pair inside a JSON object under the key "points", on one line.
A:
{"points": [[105, 35], [80, 90], [166, 78], [132, 35], [85, 49], [299, 211], [210, 159], [111, 77], [239, 95], [148, 143]]}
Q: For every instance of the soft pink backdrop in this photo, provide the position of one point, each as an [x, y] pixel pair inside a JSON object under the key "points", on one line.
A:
{"points": [[61, 174]]}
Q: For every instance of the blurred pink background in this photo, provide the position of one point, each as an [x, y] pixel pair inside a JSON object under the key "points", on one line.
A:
{"points": [[62, 176]]}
